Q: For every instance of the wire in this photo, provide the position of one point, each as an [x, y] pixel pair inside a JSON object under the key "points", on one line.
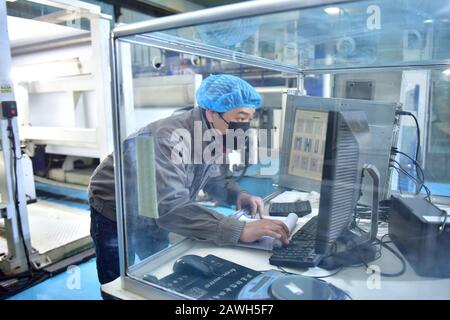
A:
{"points": [[442, 227], [406, 113], [428, 192], [378, 255], [11, 137], [285, 271], [386, 235], [383, 243], [383, 274], [403, 269], [407, 174], [417, 165], [366, 213], [401, 170], [418, 170], [346, 294], [418, 182]]}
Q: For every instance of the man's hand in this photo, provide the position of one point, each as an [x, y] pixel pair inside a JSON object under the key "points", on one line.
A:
{"points": [[251, 203], [265, 227]]}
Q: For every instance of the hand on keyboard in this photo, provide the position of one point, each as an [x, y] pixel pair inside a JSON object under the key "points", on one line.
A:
{"points": [[265, 227], [300, 253], [251, 203]]}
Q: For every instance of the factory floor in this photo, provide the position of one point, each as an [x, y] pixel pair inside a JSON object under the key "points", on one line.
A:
{"points": [[66, 286], [59, 226]]}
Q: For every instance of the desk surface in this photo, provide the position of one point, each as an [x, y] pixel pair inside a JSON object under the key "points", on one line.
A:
{"points": [[358, 282]]}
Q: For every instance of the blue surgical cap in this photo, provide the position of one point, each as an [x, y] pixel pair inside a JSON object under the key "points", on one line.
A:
{"points": [[222, 93]]}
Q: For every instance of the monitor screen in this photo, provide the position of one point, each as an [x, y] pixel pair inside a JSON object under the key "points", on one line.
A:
{"points": [[302, 149], [308, 144]]}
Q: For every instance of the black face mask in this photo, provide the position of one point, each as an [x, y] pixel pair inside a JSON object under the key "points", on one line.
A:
{"points": [[233, 126]]}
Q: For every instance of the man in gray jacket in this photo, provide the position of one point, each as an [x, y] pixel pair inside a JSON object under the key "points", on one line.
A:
{"points": [[226, 103]]}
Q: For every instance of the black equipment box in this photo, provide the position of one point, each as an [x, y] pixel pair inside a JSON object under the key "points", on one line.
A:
{"points": [[420, 231], [226, 284]]}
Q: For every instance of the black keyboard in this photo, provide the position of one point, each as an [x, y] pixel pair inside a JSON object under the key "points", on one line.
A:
{"points": [[300, 252], [301, 208]]}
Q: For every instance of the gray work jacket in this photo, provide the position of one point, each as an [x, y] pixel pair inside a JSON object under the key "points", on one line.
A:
{"points": [[177, 186]]}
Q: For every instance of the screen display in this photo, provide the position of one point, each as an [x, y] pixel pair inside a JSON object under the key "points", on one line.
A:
{"points": [[308, 144]]}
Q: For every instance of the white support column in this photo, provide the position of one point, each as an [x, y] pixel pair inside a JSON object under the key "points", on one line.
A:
{"points": [[127, 90], [15, 260], [23, 108], [69, 107], [100, 30]]}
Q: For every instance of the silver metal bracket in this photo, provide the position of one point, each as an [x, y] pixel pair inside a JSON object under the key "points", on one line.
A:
{"points": [[375, 175]]}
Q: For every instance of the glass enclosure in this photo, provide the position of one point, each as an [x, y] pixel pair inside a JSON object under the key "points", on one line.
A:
{"points": [[375, 53]]}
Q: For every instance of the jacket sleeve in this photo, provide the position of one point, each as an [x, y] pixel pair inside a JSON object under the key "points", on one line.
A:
{"points": [[177, 213]]}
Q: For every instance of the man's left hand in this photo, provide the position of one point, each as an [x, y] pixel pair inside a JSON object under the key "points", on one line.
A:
{"points": [[251, 203]]}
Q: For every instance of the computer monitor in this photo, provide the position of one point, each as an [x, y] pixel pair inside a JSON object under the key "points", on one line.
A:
{"points": [[325, 149], [300, 167], [341, 170]]}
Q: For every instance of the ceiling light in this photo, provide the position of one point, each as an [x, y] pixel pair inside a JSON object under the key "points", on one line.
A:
{"points": [[333, 11]]}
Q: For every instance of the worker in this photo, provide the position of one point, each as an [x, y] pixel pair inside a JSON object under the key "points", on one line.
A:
{"points": [[225, 102]]}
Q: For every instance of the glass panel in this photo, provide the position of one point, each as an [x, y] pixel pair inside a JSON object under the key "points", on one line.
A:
{"points": [[437, 157], [159, 84], [160, 73], [360, 34]]}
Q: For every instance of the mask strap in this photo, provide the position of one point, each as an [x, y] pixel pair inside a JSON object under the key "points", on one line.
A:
{"points": [[208, 124], [220, 115]]}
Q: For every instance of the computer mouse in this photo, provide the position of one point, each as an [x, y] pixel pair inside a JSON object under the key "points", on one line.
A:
{"points": [[192, 265]]}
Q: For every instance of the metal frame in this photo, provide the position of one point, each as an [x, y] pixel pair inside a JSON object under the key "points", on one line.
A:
{"points": [[239, 10], [163, 41], [139, 33], [116, 103], [399, 67]]}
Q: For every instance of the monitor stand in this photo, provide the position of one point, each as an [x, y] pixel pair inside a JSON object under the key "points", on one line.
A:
{"points": [[356, 249], [350, 253]]}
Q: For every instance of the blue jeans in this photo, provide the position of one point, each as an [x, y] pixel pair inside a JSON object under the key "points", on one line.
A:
{"points": [[143, 239]]}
